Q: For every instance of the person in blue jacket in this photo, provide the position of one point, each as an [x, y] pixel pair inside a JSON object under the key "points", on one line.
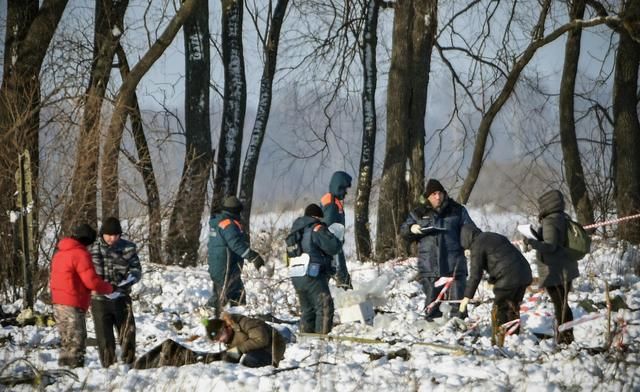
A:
{"points": [[312, 287], [227, 249], [333, 209], [435, 225]]}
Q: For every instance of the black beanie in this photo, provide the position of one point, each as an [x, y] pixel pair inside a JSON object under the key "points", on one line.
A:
{"points": [[84, 234], [313, 210], [433, 186], [111, 226], [214, 328], [232, 204]]}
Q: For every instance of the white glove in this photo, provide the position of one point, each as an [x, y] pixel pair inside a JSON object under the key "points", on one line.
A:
{"points": [[416, 229], [337, 229], [463, 304]]}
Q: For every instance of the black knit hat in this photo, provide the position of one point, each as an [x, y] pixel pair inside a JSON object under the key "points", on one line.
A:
{"points": [[313, 210], [214, 328], [84, 234], [232, 204], [433, 186], [111, 226]]}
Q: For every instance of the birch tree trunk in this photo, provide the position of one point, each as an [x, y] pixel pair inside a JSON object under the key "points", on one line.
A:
{"points": [[183, 238], [369, 129], [249, 169], [234, 105]]}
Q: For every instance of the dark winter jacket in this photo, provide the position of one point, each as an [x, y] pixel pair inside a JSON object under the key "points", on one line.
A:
{"points": [[440, 253], [73, 276], [114, 263], [250, 334], [494, 253], [318, 242], [228, 245], [555, 267], [331, 202]]}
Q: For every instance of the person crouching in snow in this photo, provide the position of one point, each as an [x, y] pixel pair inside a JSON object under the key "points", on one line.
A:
{"points": [[249, 341], [71, 281], [508, 270]]}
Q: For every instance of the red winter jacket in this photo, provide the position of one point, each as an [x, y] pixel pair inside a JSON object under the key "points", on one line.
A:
{"points": [[73, 276]]}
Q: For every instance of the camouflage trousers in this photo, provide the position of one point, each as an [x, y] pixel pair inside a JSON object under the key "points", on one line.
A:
{"points": [[72, 327]]}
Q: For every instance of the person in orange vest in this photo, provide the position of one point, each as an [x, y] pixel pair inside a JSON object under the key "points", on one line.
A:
{"points": [[227, 249], [333, 209]]}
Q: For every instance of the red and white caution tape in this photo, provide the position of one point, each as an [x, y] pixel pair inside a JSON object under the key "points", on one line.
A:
{"points": [[510, 326], [612, 221], [447, 281], [581, 320], [531, 303]]}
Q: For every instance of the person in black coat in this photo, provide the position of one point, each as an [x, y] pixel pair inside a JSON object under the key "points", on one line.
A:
{"points": [[556, 269], [312, 283], [508, 270], [435, 225]]}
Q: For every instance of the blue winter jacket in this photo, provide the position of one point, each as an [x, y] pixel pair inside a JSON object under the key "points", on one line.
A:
{"points": [[318, 242], [332, 202], [228, 244], [440, 253]]}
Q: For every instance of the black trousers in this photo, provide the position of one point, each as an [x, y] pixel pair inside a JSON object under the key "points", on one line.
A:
{"points": [[560, 298], [118, 314], [316, 303], [506, 306]]}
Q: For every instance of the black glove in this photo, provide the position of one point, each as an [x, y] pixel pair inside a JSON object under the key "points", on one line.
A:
{"points": [[258, 262], [255, 258]]}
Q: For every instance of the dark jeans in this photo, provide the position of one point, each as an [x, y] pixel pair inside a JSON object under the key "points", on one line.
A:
{"points": [[257, 358], [227, 291], [316, 303], [455, 291], [118, 314], [506, 307], [560, 298]]}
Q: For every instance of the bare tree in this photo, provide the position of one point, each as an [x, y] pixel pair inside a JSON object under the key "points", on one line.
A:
{"points": [[81, 205], [414, 29], [234, 104], [275, 20], [369, 129], [123, 104], [511, 79], [145, 167], [570, 150], [627, 127], [183, 238], [28, 34]]}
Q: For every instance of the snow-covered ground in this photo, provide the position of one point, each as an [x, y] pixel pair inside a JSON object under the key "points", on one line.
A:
{"points": [[440, 355]]}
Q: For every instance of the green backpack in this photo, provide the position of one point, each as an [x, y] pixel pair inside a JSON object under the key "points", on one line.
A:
{"points": [[578, 240]]}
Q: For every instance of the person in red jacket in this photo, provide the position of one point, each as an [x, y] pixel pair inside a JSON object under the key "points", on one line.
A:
{"points": [[71, 281]]}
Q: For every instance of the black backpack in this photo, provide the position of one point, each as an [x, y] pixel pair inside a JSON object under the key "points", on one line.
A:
{"points": [[294, 243]]}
